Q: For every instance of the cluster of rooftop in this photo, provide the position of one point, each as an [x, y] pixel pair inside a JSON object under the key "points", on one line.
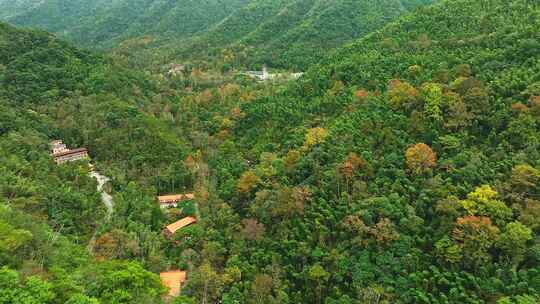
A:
{"points": [[174, 279]]}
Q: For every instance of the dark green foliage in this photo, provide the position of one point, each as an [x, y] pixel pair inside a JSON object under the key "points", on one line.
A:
{"points": [[403, 168], [107, 23], [293, 34], [345, 219], [284, 34]]}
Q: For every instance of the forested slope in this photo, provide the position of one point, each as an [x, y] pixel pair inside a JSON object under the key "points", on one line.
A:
{"points": [[91, 100], [284, 34], [293, 34], [108, 23], [405, 168], [48, 213]]}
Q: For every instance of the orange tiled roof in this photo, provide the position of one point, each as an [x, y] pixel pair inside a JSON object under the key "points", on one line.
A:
{"points": [[164, 199], [172, 228], [173, 280]]}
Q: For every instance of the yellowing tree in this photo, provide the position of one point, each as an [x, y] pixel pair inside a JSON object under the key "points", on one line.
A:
{"points": [[483, 202], [525, 178], [247, 182], [432, 95], [402, 94], [315, 136], [361, 95], [420, 158]]}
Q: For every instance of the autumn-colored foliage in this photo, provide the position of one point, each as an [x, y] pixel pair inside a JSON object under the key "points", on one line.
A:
{"points": [[384, 231], [315, 136], [351, 165], [247, 182], [475, 236], [361, 95], [402, 94], [420, 158], [525, 177], [253, 230]]}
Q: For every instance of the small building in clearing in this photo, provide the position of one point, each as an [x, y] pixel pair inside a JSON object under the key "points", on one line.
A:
{"points": [[62, 154], [167, 201], [172, 228], [173, 280]]}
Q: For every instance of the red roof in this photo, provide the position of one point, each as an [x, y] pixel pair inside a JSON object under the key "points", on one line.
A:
{"points": [[69, 152], [174, 198], [172, 228]]}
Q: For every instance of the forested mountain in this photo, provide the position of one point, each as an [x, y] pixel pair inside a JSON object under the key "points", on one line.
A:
{"points": [[284, 34], [405, 168], [14, 7], [293, 34], [51, 90], [401, 168], [107, 23]]}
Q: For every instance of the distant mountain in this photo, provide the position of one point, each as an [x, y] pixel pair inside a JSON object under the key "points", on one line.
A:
{"points": [[11, 8], [281, 33], [104, 23], [293, 33]]}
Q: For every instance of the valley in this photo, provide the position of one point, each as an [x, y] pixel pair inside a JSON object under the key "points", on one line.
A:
{"points": [[257, 151]]}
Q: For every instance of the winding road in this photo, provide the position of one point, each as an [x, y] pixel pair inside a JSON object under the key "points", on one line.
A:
{"points": [[107, 200]]}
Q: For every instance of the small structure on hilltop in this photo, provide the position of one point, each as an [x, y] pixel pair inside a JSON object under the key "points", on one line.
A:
{"points": [[173, 280], [175, 69], [172, 228], [168, 201], [265, 76], [62, 154]]}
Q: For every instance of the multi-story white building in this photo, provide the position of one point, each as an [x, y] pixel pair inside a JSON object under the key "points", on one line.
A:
{"points": [[62, 154]]}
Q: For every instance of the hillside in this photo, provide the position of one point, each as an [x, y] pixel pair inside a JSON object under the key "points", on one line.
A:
{"points": [[405, 168], [291, 34], [48, 213], [105, 24], [283, 34]]}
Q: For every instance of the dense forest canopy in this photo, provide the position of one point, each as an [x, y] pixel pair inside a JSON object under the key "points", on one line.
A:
{"points": [[107, 23], [284, 34], [403, 167]]}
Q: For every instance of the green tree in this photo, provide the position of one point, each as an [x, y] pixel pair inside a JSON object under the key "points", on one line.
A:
{"points": [[319, 275], [432, 95], [513, 241], [32, 291], [11, 240], [82, 299]]}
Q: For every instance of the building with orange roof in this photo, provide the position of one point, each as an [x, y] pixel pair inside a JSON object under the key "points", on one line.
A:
{"points": [[167, 201], [172, 228], [173, 280]]}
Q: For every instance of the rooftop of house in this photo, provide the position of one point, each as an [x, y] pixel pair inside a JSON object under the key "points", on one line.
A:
{"points": [[175, 198], [69, 152], [172, 228], [173, 280]]}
